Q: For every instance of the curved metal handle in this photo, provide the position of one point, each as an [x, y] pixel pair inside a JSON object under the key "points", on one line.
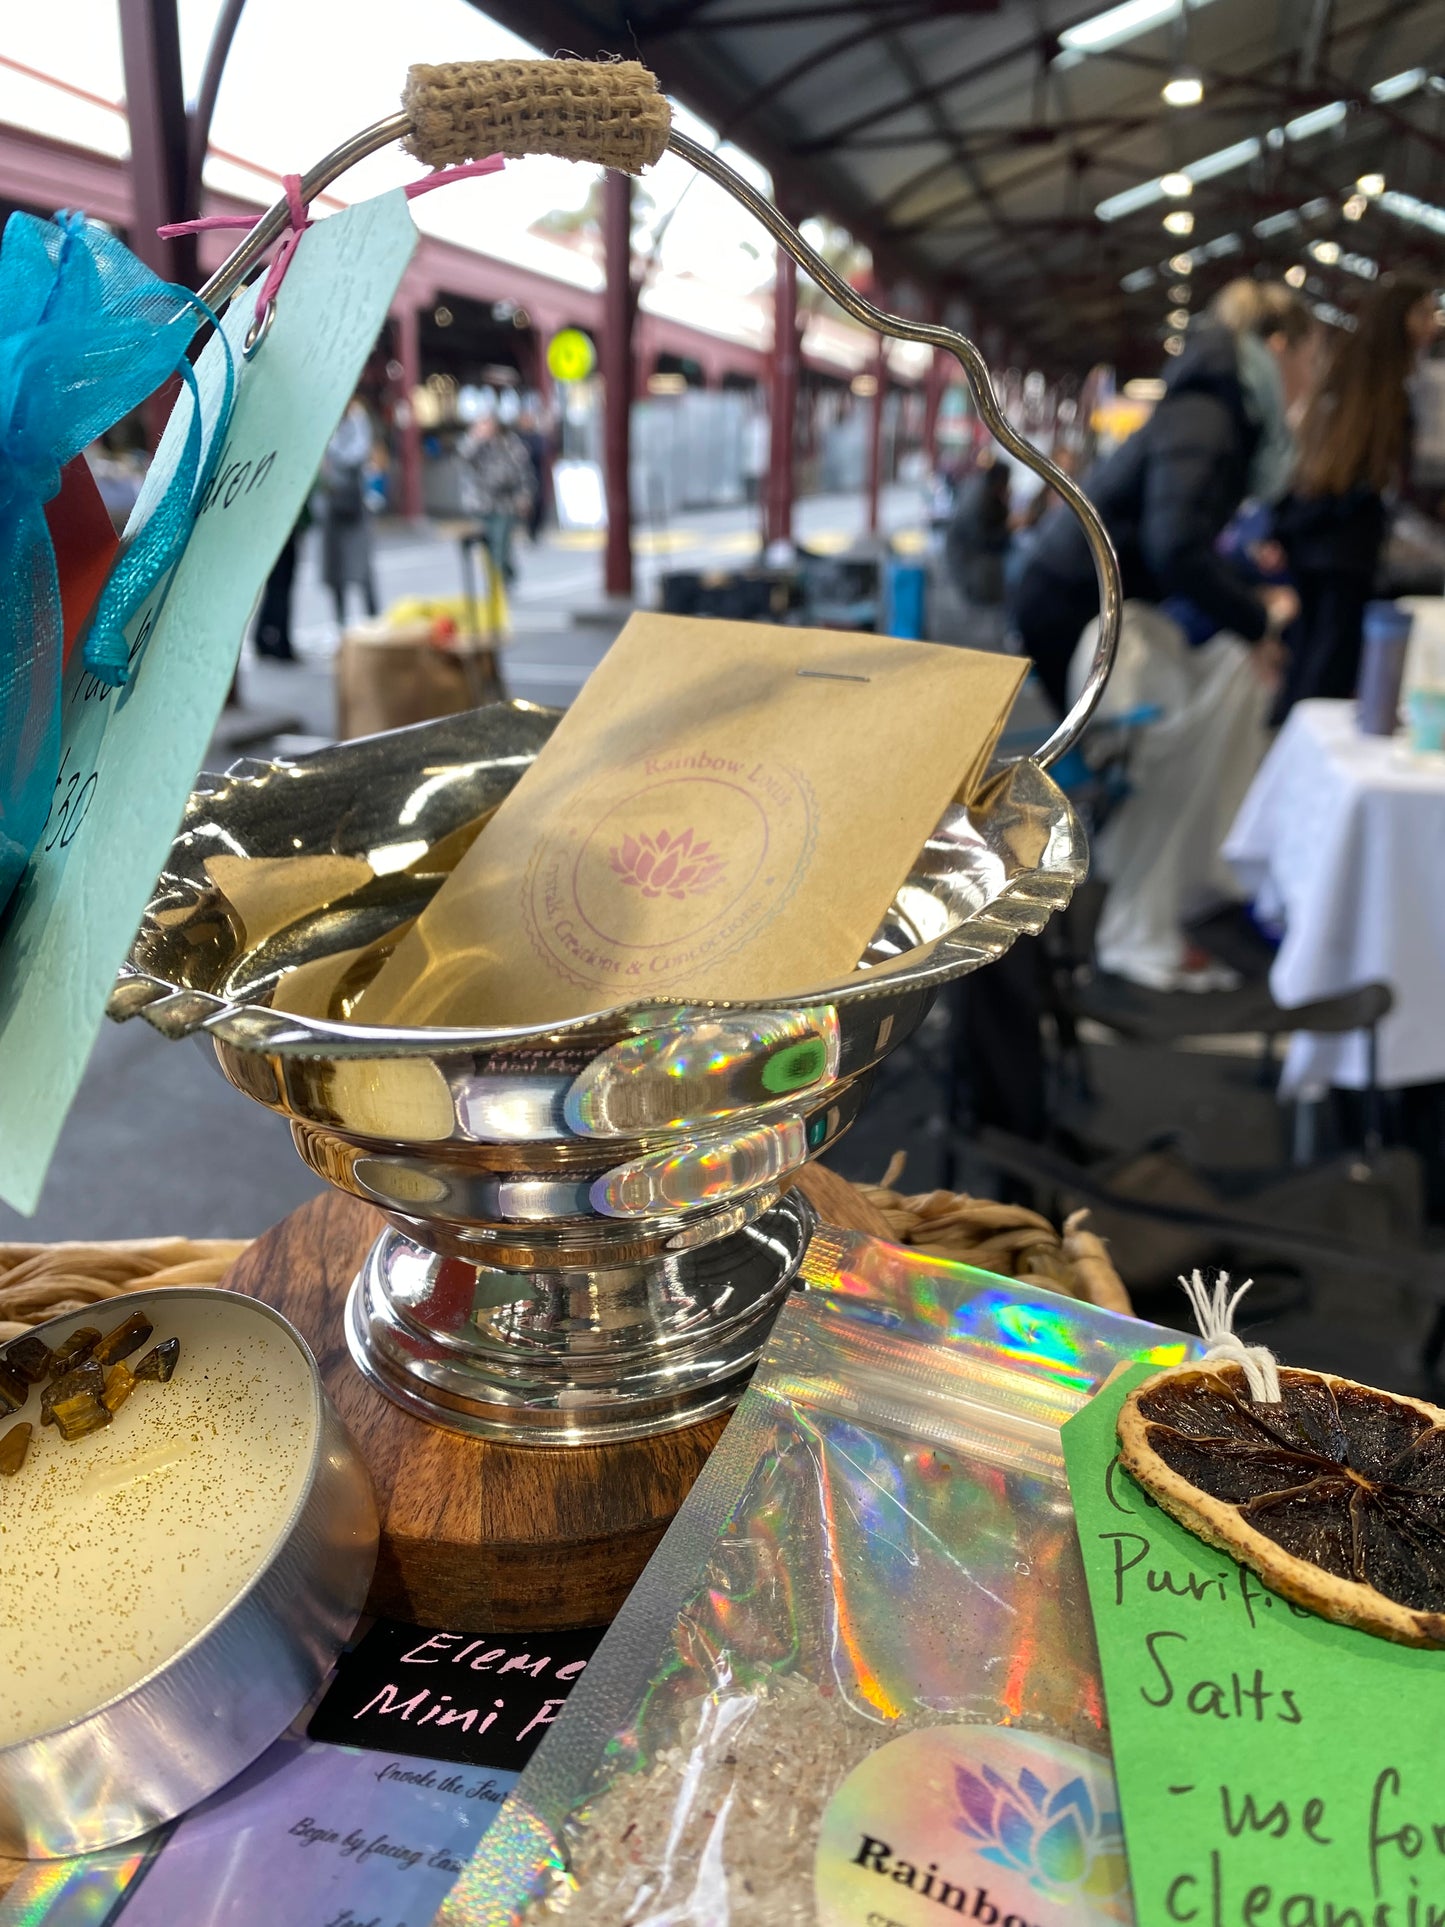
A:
{"points": [[272, 224]]}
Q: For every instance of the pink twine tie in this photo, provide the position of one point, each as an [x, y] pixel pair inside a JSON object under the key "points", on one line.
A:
{"points": [[300, 219]]}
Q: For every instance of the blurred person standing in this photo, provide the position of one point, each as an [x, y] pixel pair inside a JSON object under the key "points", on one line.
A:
{"points": [[273, 617], [1354, 443], [978, 535], [978, 540], [498, 486], [341, 505], [1219, 435], [529, 434]]}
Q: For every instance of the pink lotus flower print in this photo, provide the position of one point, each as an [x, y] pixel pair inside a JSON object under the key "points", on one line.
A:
{"points": [[675, 866], [1058, 1840]]}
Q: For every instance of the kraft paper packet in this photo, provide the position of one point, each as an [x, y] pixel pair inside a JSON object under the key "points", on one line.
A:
{"points": [[726, 811]]}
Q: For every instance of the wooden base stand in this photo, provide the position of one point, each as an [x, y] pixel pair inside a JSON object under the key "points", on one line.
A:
{"points": [[476, 1535], [473, 1534]]}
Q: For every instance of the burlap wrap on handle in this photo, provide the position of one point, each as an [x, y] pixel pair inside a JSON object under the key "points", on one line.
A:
{"points": [[607, 112]]}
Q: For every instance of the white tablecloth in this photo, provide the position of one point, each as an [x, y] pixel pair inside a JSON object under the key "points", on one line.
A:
{"points": [[1342, 837]]}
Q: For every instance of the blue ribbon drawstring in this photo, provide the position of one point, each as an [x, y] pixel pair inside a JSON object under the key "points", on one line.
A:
{"points": [[86, 333]]}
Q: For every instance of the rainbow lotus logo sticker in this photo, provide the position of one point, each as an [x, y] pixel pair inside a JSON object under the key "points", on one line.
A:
{"points": [[1059, 1841], [677, 866]]}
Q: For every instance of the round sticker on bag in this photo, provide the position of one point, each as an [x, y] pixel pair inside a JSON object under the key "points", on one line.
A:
{"points": [[984, 1823]]}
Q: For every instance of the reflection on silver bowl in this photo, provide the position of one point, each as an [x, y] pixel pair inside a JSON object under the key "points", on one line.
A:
{"points": [[588, 1228]]}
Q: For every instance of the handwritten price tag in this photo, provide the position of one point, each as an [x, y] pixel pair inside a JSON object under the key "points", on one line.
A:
{"points": [[130, 757], [1274, 1770]]}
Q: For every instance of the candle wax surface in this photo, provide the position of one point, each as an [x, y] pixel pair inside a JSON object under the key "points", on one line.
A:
{"points": [[116, 1551]]}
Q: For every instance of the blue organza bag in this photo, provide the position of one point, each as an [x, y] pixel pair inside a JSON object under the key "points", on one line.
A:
{"points": [[86, 333]]}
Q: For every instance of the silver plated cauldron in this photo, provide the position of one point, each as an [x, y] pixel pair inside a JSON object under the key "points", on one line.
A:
{"points": [[588, 1227]]}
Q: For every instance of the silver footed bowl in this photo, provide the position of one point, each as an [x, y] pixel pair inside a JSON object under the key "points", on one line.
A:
{"points": [[589, 1226]]}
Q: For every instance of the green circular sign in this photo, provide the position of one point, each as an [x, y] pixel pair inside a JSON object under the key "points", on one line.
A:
{"points": [[571, 355]]}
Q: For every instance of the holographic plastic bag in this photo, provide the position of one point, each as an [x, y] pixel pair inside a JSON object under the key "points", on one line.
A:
{"points": [[857, 1685]]}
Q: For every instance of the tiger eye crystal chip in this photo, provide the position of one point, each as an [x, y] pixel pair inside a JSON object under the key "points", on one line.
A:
{"points": [[125, 1338], [78, 1416], [119, 1384], [160, 1361], [85, 1381], [70, 1351], [13, 1391], [14, 1444], [30, 1356]]}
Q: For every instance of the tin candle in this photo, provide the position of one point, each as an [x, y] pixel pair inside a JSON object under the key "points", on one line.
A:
{"points": [[176, 1584]]}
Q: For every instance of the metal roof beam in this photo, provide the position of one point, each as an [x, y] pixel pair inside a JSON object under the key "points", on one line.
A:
{"points": [[935, 90], [783, 15]]}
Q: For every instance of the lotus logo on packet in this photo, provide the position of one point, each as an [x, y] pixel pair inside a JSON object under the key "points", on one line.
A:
{"points": [[1059, 1841], [678, 866]]}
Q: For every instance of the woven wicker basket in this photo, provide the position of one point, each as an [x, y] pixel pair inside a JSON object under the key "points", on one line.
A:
{"points": [[1000, 1237], [42, 1281]]}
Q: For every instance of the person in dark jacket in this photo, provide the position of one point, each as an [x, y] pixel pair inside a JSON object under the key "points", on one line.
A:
{"points": [[1218, 436], [1353, 449], [978, 536]]}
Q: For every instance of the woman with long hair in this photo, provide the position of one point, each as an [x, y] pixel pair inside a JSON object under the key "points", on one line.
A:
{"points": [[1353, 454]]}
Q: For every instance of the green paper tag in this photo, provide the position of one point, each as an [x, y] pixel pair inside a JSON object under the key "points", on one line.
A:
{"points": [[130, 757], [1274, 1769]]}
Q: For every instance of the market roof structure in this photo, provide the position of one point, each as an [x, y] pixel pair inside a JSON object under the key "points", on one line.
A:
{"points": [[1019, 154]]}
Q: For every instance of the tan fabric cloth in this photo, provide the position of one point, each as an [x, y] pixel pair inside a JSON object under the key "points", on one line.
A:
{"points": [[609, 113]]}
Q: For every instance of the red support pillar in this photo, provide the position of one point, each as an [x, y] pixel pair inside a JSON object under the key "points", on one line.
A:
{"points": [[875, 429], [618, 307], [408, 353], [155, 103], [782, 402]]}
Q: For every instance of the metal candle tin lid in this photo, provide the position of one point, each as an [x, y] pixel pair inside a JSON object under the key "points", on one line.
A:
{"points": [[176, 1585]]}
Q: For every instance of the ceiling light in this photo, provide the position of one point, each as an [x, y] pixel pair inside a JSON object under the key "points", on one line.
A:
{"points": [[1398, 85], [1174, 345], [1178, 317], [1176, 186], [1129, 200], [1180, 221], [1327, 253], [1295, 276], [1180, 293], [1181, 264], [1183, 89], [1408, 207], [1316, 121], [1371, 184], [1118, 24], [1354, 208], [1225, 159]]}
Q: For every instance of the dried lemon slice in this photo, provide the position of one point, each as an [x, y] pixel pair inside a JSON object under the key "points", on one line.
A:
{"points": [[1335, 1496]]}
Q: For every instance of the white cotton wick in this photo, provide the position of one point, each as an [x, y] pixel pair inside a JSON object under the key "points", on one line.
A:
{"points": [[1214, 1315]]}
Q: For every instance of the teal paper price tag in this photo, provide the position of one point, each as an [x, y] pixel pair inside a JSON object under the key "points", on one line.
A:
{"points": [[1274, 1769], [129, 758]]}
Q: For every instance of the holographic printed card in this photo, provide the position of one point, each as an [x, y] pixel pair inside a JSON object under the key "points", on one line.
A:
{"points": [[726, 811], [308, 1836]]}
